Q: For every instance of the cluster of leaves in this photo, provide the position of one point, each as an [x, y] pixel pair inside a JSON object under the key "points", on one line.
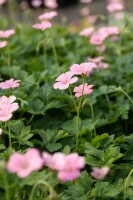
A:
{"points": [[47, 118]]}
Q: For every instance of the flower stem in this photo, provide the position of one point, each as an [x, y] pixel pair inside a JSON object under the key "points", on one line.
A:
{"points": [[77, 131], [9, 136], [129, 98], [55, 54], [70, 91], [54, 49], [77, 109], [93, 119], [52, 193], [31, 118], [8, 56], [45, 55], [126, 183]]}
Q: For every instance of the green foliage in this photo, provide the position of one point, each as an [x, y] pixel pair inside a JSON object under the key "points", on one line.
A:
{"points": [[81, 188], [47, 118], [102, 157], [104, 190]]}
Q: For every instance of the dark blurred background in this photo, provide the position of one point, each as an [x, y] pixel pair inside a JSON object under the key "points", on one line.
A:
{"points": [[71, 10]]}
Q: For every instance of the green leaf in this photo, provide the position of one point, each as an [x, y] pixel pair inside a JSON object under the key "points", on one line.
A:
{"points": [[96, 141], [107, 190], [36, 106], [71, 125], [66, 149], [53, 146], [2, 147]]}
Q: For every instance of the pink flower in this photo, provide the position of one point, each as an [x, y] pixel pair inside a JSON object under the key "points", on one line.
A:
{"points": [[7, 107], [92, 19], [99, 173], [11, 83], [68, 166], [97, 59], [1, 131], [114, 7], [72, 165], [7, 100], [102, 65], [50, 4], [25, 164], [48, 15], [97, 38], [7, 33], [64, 80], [3, 44], [110, 30], [36, 3], [2, 2], [84, 11], [87, 32], [42, 26], [83, 68], [83, 89], [55, 161]]}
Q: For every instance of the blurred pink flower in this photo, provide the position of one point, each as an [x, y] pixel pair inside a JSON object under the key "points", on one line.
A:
{"points": [[109, 30], [92, 19], [114, 7], [7, 33], [55, 161], [11, 83], [99, 173], [51, 4], [72, 165], [102, 65], [97, 59], [7, 100], [84, 11], [7, 107], [3, 44], [64, 80], [6, 112], [25, 164], [48, 15], [42, 26], [83, 68], [36, 3], [2, 2], [87, 32], [97, 38], [68, 166], [83, 89]]}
